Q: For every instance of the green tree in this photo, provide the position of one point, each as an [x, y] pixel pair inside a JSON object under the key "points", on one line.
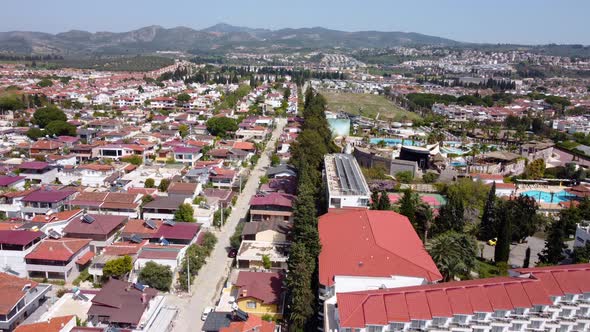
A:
{"points": [[236, 239], [454, 254], [43, 116], [266, 263], [535, 169], [408, 204], [209, 241], [184, 213], [404, 176], [552, 254], [374, 200], [450, 217], [221, 126], [59, 128], [45, 82], [275, 160], [384, 202], [35, 133], [183, 98], [149, 183], [527, 258], [523, 216], [164, 183], [134, 160], [487, 228], [429, 177], [156, 276], [582, 254], [299, 283], [183, 130], [118, 267], [502, 249]]}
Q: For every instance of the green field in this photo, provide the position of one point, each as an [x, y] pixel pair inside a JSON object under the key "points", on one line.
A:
{"points": [[366, 105]]}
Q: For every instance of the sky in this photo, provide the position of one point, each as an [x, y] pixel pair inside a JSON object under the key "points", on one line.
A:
{"points": [[481, 21]]}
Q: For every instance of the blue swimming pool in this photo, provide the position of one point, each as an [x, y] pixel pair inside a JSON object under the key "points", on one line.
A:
{"points": [[546, 197], [458, 163], [395, 141]]}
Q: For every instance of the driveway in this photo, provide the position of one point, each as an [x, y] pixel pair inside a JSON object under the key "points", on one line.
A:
{"points": [[517, 251], [212, 276]]}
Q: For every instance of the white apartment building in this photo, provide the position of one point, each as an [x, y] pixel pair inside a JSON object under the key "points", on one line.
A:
{"points": [[553, 298], [347, 186], [582, 234]]}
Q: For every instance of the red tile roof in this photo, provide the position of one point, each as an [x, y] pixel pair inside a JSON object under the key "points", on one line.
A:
{"points": [[531, 287], [55, 324], [48, 196], [264, 286], [12, 291], [58, 250], [19, 237], [58, 216], [254, 323], [376, 243], [36, 165], [278, 199], [180, 231], [8, 180], [102, 225], [87, 257]]}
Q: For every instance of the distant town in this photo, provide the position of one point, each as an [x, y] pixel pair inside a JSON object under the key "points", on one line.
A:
{"points": [[407, 188]]}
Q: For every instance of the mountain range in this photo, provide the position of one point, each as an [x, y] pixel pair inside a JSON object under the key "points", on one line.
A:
{"points": [[218, 38]]}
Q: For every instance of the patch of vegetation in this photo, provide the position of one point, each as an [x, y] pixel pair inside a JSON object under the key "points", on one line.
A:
{"points": [[367, 105]]}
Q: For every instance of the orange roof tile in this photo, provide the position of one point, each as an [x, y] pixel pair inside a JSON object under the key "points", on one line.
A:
{"points": [[55, 324]]}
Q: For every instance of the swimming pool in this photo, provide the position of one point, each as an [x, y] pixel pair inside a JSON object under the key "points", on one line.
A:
{"points": [[545, 197], [395, 141], [458, 163]]}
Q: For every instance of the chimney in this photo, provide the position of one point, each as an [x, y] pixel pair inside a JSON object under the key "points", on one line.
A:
{"points": [[143, 297], [244, 292]]}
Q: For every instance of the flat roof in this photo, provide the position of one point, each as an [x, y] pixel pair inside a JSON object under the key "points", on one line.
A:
{"points": [[344, 175]]}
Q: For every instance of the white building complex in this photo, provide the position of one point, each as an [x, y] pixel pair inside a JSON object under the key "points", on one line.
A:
{"points": [[346, 184], [554, 299]]}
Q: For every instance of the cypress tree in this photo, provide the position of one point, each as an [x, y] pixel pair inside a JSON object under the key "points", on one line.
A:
{"points": [[487, 228], [384, 203], [527, 258], [554, 245], [502, 250]]}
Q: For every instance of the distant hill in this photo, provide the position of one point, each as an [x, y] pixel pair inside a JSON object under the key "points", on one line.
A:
{"points": [[218, 37]]}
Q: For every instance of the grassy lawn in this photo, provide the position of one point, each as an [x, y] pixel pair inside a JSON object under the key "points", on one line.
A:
{"points": [[366, 105]]}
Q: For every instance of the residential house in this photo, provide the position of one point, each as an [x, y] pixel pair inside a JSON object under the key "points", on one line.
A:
{"points": [[237, 321], [12, 182], [20, 298], [115, 251], [170, 255], [101, 229], [267, 231], [157, 230], [15, 245], [162, 208], [184, 190], [187, 155], [96, 175], [260, 293], [223, 178], [54, 223], [281, 171], [44, 201], [59, 258], [11, 203], [112, 203], [44, 147], [38, 172], [271, 207], [124, 305], [250, 255], [55, 324]]}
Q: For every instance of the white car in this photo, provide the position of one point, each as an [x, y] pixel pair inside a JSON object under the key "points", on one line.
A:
{"points": [[206, 313]]}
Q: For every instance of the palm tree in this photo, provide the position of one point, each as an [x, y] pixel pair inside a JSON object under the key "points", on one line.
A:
{"points": [[454, 254]]}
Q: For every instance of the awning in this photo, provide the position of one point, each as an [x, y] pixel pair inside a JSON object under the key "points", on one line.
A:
{"points": [[86, 258]]}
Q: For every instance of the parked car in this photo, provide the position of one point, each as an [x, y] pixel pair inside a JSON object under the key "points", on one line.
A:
{"points": [[493, 241], [206, 312], [232, 253]]}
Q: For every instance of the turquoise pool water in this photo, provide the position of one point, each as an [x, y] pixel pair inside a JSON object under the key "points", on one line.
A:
{"points": [[543, 196], [458, 163], [395, 141]]}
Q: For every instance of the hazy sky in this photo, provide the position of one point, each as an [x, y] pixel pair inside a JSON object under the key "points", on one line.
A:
{"points": [[496, 21]]}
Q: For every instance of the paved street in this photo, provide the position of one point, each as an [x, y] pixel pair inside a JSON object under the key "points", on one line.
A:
{"points": [[517, 251], [212, 276]]}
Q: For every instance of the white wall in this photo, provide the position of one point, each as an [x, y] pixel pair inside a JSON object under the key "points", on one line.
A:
{"points": [[344, 284]]}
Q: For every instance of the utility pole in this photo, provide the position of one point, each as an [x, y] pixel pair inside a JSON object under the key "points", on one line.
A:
{"points": [[221, 223]]}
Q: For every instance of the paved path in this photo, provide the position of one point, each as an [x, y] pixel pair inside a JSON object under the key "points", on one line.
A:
{"points": [[212, 276]]}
